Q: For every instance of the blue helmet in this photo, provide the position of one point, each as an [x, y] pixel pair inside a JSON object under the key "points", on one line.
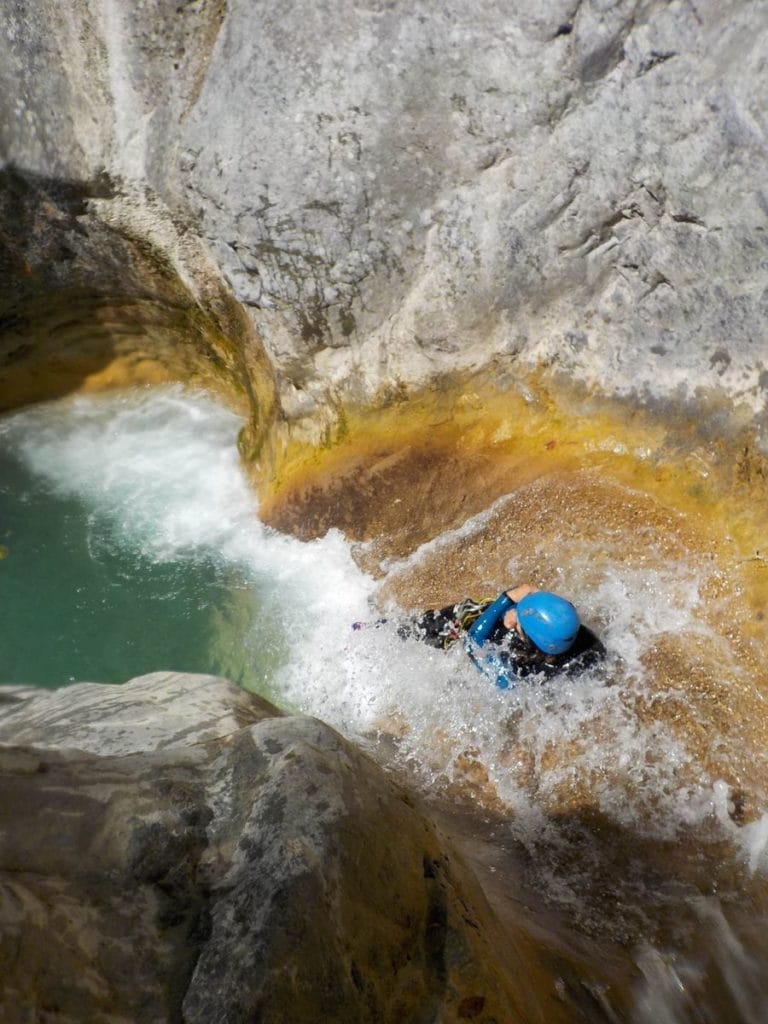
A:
{"points": [[549, 621]]}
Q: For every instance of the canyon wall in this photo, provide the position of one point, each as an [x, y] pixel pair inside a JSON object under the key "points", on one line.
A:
{"points": [[396, 191]]}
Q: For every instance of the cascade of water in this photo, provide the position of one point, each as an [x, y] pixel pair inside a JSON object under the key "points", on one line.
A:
{"points": [[158, 479], [579, 772]]}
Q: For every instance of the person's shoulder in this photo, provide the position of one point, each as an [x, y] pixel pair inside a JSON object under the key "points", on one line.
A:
{"points": [[586, 651], [585, 640]]}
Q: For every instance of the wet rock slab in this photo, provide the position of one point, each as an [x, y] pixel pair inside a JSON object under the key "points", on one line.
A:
{"points": [[175, 849]]}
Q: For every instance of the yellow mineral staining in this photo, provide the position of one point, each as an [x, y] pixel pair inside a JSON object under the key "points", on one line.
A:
{"points": [[452, 450], [570, 492]]}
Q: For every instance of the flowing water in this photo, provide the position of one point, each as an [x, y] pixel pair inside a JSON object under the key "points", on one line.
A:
{"points": [[131, 543], [626, 800]]}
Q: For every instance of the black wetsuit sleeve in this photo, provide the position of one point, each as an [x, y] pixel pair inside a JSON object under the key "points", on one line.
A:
{"points": [[436, 627], [442, 627]]}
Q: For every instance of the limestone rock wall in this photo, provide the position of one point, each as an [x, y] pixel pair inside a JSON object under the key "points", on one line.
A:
{"points": [[426, 184], [176, 849], [395, 190]]}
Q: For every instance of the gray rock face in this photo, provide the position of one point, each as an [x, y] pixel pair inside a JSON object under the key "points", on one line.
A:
{"points": [[398, 189], [582, 185], [175, 849]]}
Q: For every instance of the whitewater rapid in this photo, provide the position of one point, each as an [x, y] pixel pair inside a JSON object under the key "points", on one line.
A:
{"points": [[160, 468]]}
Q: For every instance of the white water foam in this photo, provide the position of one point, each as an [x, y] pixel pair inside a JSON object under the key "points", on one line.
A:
{"points": [[162, 467]]}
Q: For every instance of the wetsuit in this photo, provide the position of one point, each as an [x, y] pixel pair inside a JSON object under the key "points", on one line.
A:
{"points": [[499, 653]]}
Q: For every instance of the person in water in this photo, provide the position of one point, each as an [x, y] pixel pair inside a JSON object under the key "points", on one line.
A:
{"points": [[522, 632]]}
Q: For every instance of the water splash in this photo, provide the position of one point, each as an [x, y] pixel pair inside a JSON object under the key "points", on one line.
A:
{"points": [[159, 472], [161, 469], [724, 982], [574, 770]]}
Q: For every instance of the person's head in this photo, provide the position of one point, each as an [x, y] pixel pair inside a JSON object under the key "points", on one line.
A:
{"points": [[549, 621]]}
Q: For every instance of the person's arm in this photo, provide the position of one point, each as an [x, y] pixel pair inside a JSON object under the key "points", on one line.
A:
{"points": [[483, 626], [489, 663]]}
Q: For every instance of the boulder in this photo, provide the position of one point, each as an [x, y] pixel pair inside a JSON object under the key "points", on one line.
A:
{"points": [[176, 849]]}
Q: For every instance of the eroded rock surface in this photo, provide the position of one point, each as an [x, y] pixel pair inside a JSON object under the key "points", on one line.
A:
{"points": [[176, 849], [426, 184], [397, 190]]}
